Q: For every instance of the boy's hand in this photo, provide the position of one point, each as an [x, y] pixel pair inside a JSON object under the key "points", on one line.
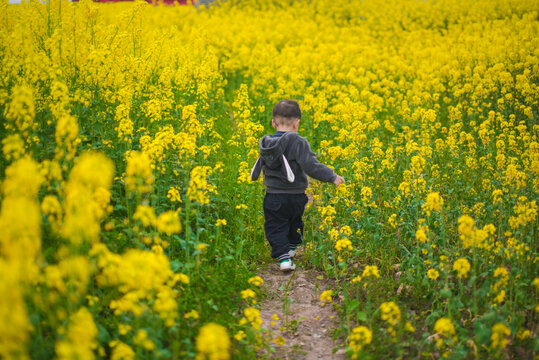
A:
{"points": [[339, 180]]}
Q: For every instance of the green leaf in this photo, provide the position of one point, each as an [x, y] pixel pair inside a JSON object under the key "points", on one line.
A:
{"points": [[175, 265], [456, 303], [103, 335], [429, 320], [489, 318], [352, 305], [164, 353], [362, 316], [445, 293], [482, 332]]}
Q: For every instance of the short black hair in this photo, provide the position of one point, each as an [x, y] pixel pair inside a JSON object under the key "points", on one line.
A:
{"points": [[287, 109]]}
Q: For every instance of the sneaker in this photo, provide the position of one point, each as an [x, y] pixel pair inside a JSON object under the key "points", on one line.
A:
{"points": [[292, 253], [287, 265]]}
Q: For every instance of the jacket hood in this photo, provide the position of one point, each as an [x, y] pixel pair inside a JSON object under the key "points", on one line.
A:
{"points": [[272, 149]]}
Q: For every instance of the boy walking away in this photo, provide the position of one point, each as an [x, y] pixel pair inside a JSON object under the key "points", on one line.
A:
{"points": [[286, 159]]}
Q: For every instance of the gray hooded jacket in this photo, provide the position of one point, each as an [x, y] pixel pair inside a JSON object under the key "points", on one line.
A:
{"points": [[286, 160]]}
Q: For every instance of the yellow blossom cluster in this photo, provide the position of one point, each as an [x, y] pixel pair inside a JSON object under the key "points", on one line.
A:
{"points": [[445, 330], [213, 343], [140, 276], [359, 338], [79, 340], [462, 267], [199, 189], [252, 317], [325, 297], [139, 175], [499, 335]]}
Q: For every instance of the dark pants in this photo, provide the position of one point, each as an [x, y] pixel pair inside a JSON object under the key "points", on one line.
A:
{"points": [[283, 225]]}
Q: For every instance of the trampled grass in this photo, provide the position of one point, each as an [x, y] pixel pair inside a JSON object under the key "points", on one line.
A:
{"points": [[129, 226]]}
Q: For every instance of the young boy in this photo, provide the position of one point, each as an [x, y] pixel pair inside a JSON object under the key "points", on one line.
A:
{"points": [[286, 158]]}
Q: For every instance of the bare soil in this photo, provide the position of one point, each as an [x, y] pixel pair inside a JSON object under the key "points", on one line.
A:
{"points": [[310, 325]]}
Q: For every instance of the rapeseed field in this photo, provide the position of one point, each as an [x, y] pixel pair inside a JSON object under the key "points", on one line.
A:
{"points": [[129, 227]]}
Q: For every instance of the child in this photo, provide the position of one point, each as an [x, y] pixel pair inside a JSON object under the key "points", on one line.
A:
{"points": [[286, 159]]}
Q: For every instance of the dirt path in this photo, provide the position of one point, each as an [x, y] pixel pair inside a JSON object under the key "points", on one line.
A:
{"points": [[310, 324]]}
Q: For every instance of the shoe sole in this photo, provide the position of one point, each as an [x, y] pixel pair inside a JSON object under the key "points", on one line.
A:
{"points": [[288, 269]]}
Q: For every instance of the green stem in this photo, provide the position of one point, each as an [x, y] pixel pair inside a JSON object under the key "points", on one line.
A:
{"points": [[285, 305]]}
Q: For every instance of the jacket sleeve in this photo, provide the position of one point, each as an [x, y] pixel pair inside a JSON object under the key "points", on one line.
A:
{"points": [[310, 164], [255, 172]]}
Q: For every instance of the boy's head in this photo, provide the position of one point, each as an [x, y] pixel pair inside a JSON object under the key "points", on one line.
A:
{"points": [[286, 113]]}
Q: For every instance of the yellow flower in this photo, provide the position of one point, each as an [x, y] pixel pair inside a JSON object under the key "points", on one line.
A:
{"points": [[371, 271], [124, 328], [500, 297], [434, 202], [220, 222], [433, 274], [139, 174], [245, 173], [66, 134], [174, 194], [184, 279], [390, 313], [523, 334], [279, 340], [13, 338], [343, 244], [51, 207], [248, 293], [22, 178], [121, 351], [252, 316], [366, 195], [199, 189], [255, 280], [462, 266], [497, 196], [202, 247], [240, 335], [360, 337], [467, 231], [193, 314], [346, 230], [393, 220], [169, 223], [80, 338], [502, 275], [499, 335], [325, 297], [13, 147], [418, 164], [84, 207], [20, 111], [420, 235], [146, 215], [445, 329]]}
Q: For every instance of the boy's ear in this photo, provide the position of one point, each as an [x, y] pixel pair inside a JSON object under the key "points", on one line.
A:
{"points": [[296, 123], [273, 124]]}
